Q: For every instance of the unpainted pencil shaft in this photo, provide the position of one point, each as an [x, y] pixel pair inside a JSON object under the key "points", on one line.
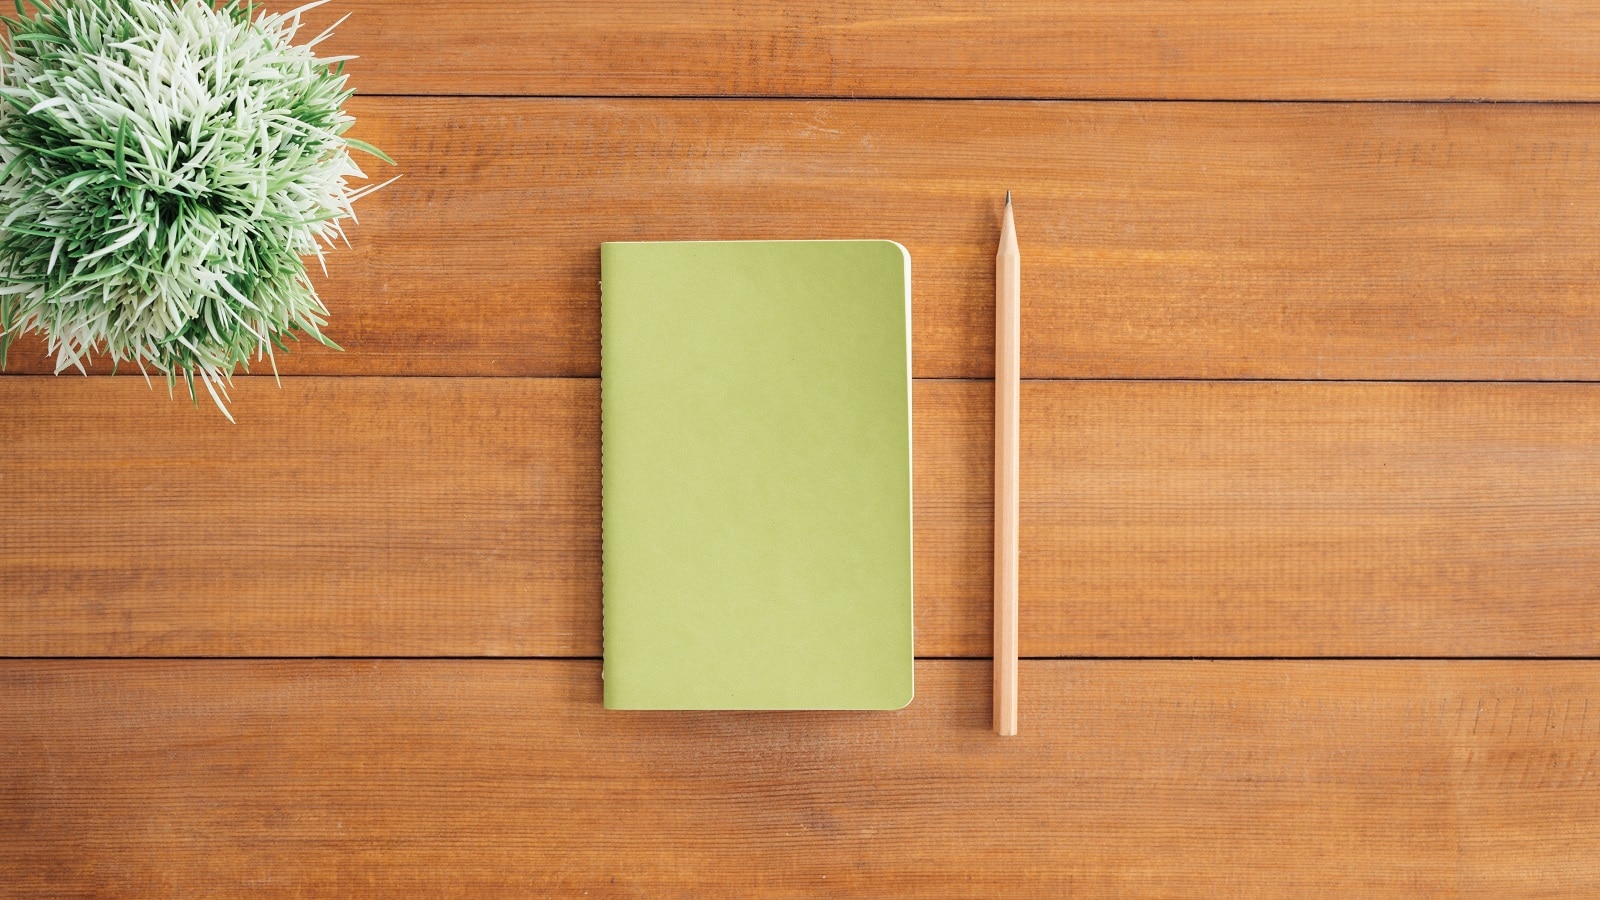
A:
{"points": [[1007, 462]]}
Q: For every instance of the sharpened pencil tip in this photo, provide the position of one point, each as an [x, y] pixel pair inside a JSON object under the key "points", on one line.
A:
{"points": [[1008, 198]]}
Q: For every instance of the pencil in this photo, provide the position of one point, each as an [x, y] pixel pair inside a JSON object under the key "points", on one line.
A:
{"points": [[1007, 462]]}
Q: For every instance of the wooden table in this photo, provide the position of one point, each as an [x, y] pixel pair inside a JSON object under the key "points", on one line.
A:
{"points": [[1311, 478]]}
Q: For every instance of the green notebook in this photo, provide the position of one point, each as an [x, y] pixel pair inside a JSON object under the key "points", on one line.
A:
{"points": [[756, 470]]}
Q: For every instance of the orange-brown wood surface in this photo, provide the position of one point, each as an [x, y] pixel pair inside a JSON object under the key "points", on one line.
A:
{"points": [[417, 516], [1149, 49], [506, 778], [426, 516], [1159, 240], [1291, 474]]}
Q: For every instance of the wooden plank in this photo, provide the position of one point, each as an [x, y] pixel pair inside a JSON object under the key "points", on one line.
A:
{"points": [[1159, 240], [341, 516], [1192, 49], [507, 778], [460, 517], [1267, 519]]}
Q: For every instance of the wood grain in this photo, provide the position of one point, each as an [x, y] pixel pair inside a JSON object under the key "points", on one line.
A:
{"points": [[354, 516], [496, 778], [1193, 49], [1266, 519], [423, 516], [1163, 240], [341, 516]]}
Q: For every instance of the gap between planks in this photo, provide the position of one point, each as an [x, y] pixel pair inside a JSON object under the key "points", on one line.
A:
{"points": [[919, 658], [890, 98]]}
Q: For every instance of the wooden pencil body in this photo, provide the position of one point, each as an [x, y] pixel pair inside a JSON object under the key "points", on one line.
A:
{"points": [[1007, 461]]}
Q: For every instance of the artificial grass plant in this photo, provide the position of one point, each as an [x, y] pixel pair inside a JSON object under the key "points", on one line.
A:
{"points": [[165, 167]]}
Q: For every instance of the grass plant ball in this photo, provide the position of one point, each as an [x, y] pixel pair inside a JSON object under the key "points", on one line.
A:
{"points": [[166, 167]]}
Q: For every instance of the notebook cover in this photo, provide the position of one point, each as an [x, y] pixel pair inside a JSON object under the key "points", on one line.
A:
{"points": [[756, 474]]}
